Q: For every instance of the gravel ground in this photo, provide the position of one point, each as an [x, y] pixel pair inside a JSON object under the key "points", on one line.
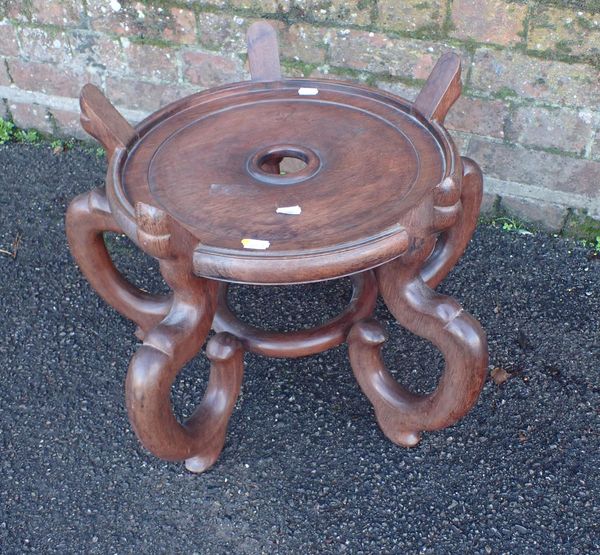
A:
{"points": [[305, 468]]}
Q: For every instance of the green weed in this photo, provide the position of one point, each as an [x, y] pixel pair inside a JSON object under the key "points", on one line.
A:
{"points": [[6, 131], [593, 245], [510, 224], [30, 136], [9, 132]]}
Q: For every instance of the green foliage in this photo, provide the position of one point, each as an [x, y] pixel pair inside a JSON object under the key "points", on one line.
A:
{"points": [[594, 245], [30, 136], [60, 145], [506, 92], [94, 151], [580, 225], [510, 224], [6, 130], [9, 132]]}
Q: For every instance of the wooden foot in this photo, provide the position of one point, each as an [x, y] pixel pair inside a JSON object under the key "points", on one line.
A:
{"points": [[401, 414], [88, 217]]}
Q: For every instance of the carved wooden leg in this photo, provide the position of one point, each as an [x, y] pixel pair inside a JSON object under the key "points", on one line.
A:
{"points": [[201, 438], [401, 414], [169, 346], [452, 243], [87, 218]]}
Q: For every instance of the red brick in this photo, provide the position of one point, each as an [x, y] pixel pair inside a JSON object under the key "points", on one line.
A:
{"points": [[349, 12], [68, 124], [8, 41], [375, 52], [18, 10], [461, 140], [478, 116], [46, 78], [31, 116], [209, 70], [304, 42], [411, 15], [183, 28], [565, 129], [140, 95], [564, 31], [40, 45], [543, 215], [151, 62], [488, 204], [64, 13], [96, 52], [264, 6], [468, 116], [408, 92], [489, 21], [225, 33], [139, 19], [322, 72], [343, 12], [541, 169], [292, 71], [551, 81]]}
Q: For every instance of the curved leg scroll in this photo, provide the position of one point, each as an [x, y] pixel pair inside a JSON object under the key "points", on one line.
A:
{"points": [[401, 414], [88, 216], [452, 243], [166, 349]]}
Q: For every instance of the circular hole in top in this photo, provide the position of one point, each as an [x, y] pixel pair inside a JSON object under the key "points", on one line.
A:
{"points": [[283, 162]]}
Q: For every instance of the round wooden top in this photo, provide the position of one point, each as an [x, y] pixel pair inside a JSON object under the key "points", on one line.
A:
{"points": [[208, 162]]}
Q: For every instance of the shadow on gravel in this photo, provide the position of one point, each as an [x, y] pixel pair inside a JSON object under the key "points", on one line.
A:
{"points": [[305, 468]]}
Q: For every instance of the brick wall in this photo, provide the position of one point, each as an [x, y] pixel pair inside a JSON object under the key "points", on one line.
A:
{"points": [[530, 114]]}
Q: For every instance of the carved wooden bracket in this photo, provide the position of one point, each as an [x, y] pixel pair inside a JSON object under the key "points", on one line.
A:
{"points": [[102, 120], [263, 52], [153, 230], [442, 88]]}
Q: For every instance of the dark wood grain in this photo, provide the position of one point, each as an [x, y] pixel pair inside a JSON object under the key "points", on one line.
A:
{"points": [[168, 346], [378, 191], [401, 414], [452, 243], [103, 122], [88, 217], [441, 89], [263, 52], [303, 342], [177, 164]]}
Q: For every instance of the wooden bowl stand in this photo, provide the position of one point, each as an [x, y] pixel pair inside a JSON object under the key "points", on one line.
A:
{"points": [[400, 248]]}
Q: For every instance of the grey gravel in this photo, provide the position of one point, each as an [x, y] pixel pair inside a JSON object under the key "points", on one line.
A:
{"points": [[305, 468]]}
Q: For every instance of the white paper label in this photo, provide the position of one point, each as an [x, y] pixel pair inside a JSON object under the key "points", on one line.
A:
{"points": [[307, 91], [292, 210], [256, 244]]}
